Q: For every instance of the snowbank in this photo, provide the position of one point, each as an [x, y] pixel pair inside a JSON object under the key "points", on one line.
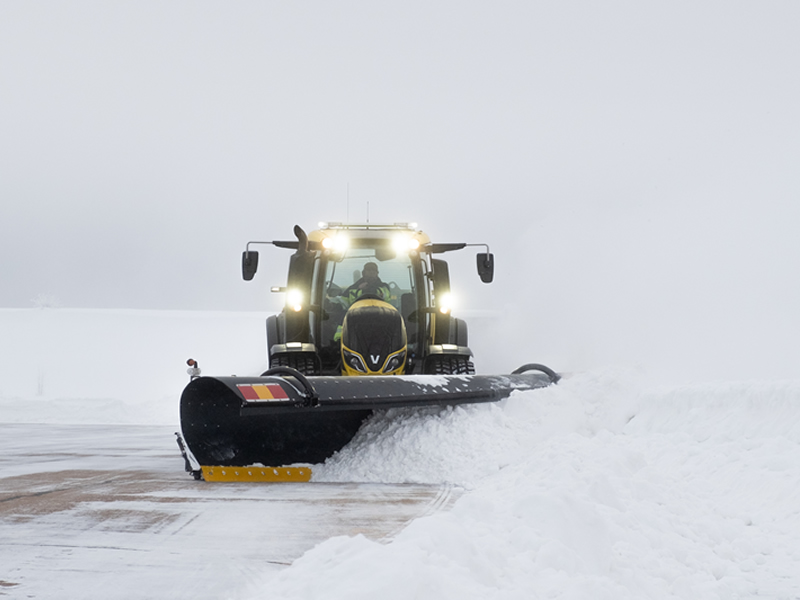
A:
{"points": [[595, 488]]}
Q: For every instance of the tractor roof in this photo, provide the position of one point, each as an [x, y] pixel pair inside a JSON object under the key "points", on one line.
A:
{"points": [[368, 231], [367, 235]]}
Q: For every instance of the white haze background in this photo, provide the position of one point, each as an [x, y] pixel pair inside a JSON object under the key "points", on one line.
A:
{"points": [[632, 166]]}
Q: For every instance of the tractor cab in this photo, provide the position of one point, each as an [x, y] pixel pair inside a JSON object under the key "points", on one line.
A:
{"points": [[341, 317]]}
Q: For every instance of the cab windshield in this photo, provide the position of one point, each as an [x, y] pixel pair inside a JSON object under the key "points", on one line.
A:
{"points": [[397, 274], [342, 276]]}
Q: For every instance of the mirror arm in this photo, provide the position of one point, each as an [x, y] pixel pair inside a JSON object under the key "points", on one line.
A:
{"points": [[483, 245], [247, 247]]}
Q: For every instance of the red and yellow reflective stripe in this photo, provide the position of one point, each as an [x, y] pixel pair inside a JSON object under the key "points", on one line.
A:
{"points": [[262, 391]]}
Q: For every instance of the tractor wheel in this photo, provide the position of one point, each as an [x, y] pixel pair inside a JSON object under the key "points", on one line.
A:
{"points": [[307, 364], [449, 365]]}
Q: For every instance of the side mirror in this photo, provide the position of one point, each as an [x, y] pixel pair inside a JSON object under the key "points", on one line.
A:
{"points": [[249, 264], [486, 267]]}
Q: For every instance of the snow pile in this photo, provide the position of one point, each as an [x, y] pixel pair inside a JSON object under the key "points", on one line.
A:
{"points": [[464, 444], [591, 489]]}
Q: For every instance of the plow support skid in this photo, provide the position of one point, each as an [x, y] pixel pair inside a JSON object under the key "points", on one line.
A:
{"points": [[284, 420], [257, 474]]}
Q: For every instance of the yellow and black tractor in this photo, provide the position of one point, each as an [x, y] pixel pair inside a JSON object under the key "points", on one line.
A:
{"points": [[368, 300], [364, 304]]}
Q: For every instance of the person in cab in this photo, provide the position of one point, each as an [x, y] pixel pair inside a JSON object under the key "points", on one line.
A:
{"points": [[370, 284]]}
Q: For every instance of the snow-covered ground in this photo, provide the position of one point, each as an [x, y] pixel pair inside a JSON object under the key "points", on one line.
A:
{"points": [[592, 489], [604, 486], [116, 366]]}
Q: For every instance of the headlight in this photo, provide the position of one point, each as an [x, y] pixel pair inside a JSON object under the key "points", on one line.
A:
{"points": [[294, 299], [404, 243], [354, 361], [445, 303], [395, 362], [338, 243]]}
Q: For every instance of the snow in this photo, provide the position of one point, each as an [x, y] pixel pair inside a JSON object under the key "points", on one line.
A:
{"points": [[604, 486], [594, 488], [115, 366]]}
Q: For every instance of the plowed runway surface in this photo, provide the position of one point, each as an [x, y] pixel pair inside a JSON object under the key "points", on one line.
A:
{"points": [[99, 511]]}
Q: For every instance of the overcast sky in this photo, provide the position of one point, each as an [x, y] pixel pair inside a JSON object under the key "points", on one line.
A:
{"points": [[633, 165]]}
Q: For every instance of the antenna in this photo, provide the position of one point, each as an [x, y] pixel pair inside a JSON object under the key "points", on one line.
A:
{"points": [[348, 203], [367, 212]]}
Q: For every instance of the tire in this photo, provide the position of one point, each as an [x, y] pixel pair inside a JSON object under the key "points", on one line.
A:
{"points": [[449, 365], [307, 364]]}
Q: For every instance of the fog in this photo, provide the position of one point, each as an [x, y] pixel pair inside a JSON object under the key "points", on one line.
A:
{"points": [[632, 166]]}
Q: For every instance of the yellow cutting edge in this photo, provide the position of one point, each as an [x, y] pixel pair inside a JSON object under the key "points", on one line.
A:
{"points": [[261, 474]]}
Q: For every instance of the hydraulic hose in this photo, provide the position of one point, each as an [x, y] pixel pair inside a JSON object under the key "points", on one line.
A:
{"points": [[554, 377], [312, 398]]}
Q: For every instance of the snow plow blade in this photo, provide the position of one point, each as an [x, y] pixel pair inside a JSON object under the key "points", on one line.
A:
{"points": [[286, 418]]}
